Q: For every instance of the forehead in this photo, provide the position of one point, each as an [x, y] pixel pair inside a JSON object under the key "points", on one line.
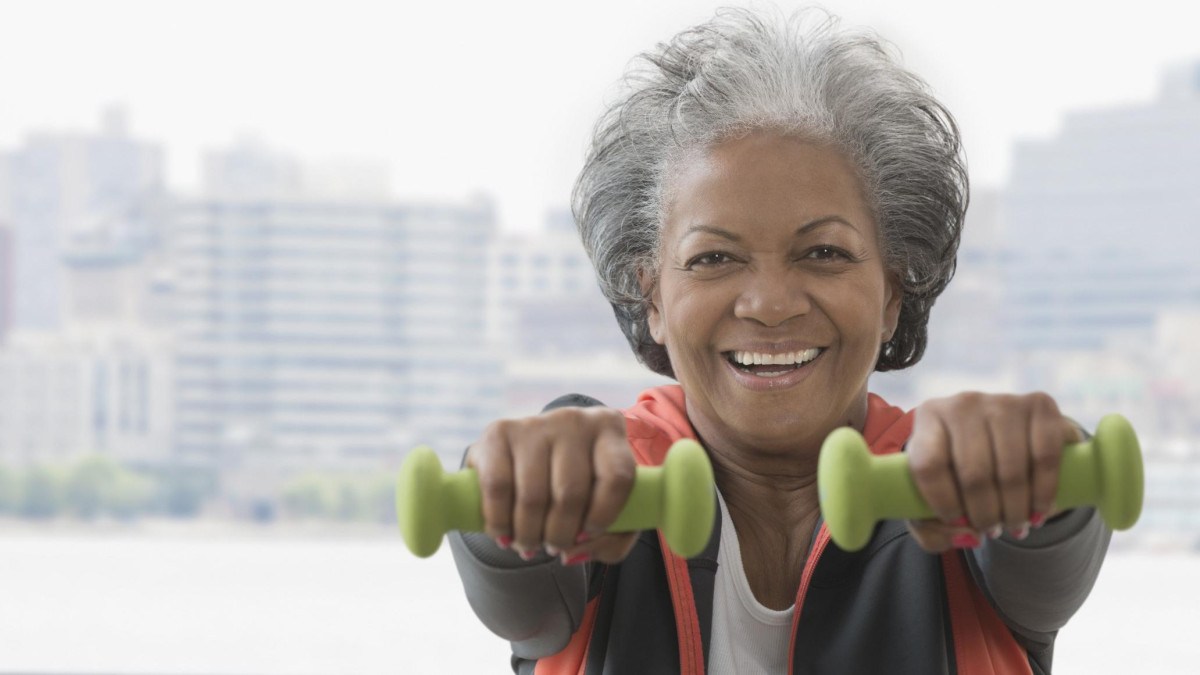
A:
{"points": [[765, 180]]}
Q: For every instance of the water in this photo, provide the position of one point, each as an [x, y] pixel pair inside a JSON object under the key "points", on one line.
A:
{"points": [[265, 603]]}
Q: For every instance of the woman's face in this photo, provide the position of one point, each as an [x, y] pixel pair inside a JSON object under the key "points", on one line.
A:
{"points": [[772, 298]]}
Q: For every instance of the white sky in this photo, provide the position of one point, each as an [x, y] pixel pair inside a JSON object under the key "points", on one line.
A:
{"points": [[499, 96]]}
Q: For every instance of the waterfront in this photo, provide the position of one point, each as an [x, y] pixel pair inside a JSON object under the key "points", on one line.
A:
{"points": [[198, 599]]}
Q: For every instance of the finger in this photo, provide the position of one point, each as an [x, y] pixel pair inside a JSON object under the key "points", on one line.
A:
{"points": [[935, 536], [491, 457], [613, 470], [1049, 431], [531, 478], [932, 468], [570, 492], [1008, 428], [975, 470], [607, 548]]}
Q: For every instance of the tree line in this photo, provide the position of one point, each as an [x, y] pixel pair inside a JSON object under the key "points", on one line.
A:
{"points": [[97, 486]]}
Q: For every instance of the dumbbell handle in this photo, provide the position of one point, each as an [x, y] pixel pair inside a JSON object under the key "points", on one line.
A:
{"points": [[677, 497], [1105, 471]]}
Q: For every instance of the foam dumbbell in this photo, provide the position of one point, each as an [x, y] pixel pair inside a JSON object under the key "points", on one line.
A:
{"points": [[677, 498], [857, 488]]}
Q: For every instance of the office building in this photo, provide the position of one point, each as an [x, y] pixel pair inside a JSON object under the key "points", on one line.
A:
{"points": [[1100, 221], [546, 314], [57, 186], [316, 334]]}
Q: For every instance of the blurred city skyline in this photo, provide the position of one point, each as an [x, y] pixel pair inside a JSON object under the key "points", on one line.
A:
{"points": [[461, 98], [289, 314]]}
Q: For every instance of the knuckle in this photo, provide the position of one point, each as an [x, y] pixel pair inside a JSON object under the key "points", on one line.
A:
{"points": [[1010, 479], [926, 467], [974, 480], [494, 488], [1045, 460], [570, 498], [1042, 401], [531, 499], [620, 474]]}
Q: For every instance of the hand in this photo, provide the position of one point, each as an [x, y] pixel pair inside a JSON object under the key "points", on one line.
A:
{"points": [[557, 480], [986, 463]]}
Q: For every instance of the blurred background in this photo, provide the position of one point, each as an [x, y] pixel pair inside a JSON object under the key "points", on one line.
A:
{"points": [[253, 252]]}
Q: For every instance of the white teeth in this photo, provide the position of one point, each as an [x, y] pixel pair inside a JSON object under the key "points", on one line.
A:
{"points": [[785, 359]]}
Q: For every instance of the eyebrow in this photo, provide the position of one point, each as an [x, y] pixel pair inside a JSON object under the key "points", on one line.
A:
{"points": [[732, 236]]}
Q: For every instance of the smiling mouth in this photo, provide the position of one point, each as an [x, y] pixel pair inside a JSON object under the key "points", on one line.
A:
{"points": [[772, 365]]}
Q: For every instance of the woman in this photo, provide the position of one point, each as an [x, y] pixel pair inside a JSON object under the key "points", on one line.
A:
{"points": [[772, 209]]}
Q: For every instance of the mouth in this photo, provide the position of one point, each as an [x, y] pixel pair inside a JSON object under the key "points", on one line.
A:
{"points": [[768, 366]]}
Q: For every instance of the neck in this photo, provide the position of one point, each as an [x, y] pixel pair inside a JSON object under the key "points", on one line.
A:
{"points": [[771, 494]]}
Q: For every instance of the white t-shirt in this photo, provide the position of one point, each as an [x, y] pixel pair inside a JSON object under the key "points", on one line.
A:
{"points": [[747, 637]]}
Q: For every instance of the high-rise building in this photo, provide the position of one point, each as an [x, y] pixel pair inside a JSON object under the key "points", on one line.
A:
{"points": [[317, 334], [74, 392], [6, 283], [546, 314], [61, 186], [1100, 222]]}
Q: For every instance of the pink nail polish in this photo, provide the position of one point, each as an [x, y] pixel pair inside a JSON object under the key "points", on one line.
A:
{"points": [[1020, 533], [527, 555], [504, 541], [578, 559], [965, 541], [1037, 519]]}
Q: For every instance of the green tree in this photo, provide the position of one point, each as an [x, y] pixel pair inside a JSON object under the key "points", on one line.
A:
{"points": [[10, 490], [41, 496], [91, 485], [307, 496]]}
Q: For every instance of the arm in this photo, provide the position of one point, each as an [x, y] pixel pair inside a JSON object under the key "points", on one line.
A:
{"points": [[536, 604], [1038, 583]]}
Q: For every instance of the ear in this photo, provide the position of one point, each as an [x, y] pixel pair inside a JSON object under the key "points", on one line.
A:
{"points": [[650, 290], [893, 300]]}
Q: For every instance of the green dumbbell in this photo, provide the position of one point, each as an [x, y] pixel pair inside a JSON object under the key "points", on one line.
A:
{"points": [[857, 488], [677, 498]]}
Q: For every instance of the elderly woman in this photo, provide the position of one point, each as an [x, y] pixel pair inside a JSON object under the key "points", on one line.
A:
{"points": [[772, 209]]}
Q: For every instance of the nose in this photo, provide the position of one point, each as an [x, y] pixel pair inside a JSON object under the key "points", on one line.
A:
{"points": [[773, 296]]}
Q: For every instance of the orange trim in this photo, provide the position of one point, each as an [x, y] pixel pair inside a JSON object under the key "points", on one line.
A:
{"points": [[658, 420], [983, 645], [687, 619], [810, 566], [573, 657]]}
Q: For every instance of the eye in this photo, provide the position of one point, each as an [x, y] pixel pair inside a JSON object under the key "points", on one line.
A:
{"points": [[710, 259], [825, 252]]}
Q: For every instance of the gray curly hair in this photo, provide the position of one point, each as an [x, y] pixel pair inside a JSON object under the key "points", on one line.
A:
{"points": [[799, 75]]}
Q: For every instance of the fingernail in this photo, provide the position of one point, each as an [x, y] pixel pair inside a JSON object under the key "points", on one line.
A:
{"points": [[577, 559], [995, 532], [552, 550], [1021, 532], [527, 555], [583, 537], [965, 541], [504, 542], [960, 521], [1037, 519]]}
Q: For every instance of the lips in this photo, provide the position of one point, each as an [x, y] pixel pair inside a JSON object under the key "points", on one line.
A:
{"points": [[768, 370]]}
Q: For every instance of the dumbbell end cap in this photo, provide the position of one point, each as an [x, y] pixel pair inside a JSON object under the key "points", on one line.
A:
{"points": [[1122, 476], [417, 497], [842, 475], [690, 503]]}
